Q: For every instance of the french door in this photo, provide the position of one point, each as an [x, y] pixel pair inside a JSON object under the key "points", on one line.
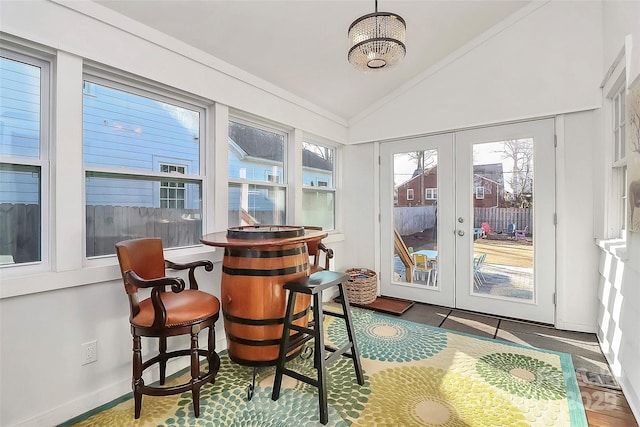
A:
{"points": [[467, 220]]}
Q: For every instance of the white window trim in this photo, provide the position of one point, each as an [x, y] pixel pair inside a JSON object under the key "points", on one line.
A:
{"points": [[160, 93], [614, 82], [479, 193], [429, 193], [409, 193], [46, 82], [325, 188]]}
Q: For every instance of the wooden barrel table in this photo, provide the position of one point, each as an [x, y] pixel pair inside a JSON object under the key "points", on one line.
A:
{"points": [[257, 261]]}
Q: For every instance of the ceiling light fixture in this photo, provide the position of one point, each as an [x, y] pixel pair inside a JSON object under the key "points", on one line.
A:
{"points": [[377, 41]]}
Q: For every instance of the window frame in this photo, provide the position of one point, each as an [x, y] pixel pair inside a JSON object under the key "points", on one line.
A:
{"points": [[161, 94], [615, 209], [431, 193], [277, 185], [44, 62], [409, 193], [478, 192], [325, 188]]}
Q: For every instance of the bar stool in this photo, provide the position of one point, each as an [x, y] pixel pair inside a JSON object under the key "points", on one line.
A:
{"points": [[314, 285]]}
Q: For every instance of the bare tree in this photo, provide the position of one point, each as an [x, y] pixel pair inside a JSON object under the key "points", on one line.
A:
{"points": [[425, 160], [634, 119], [520, 151]]}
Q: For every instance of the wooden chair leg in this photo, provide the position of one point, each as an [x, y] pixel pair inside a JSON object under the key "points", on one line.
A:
{"points": [[195, 372], [162, 347], [137, 381], [211, 347]]}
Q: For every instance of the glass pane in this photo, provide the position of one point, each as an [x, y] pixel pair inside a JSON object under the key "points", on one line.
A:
{"points": [[415, 218], [317, 165], [251, 204], [318, 208], [127, 208], [255, 154], [125, 130], [20, 229], [19, 109], [503, 219]]}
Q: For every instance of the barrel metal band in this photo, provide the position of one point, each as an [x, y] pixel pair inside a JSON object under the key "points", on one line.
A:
{"points": [[254, 343], [265, 272], [262, 322], [256, 253]]}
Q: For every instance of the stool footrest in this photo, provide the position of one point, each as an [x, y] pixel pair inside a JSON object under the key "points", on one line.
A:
{"points": [[296, 340], [334, 314], [298, 376]]}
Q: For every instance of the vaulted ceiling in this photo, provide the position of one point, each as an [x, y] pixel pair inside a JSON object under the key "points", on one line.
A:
{"points": [[301, 45]]}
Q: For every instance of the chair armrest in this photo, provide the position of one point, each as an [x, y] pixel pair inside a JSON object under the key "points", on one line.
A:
{"points": [[176, 283], [158, 286], [193, 283], [328, 254]]}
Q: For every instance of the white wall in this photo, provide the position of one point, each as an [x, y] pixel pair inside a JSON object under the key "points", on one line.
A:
{"points": [[546, 62], [42, 379], [619, 266]]}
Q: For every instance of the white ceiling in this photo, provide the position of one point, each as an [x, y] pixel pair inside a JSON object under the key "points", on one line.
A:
{"points": [[301, 45]]}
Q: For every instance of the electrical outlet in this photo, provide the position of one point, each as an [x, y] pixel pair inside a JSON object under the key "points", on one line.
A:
{"points": [[89, 352]]}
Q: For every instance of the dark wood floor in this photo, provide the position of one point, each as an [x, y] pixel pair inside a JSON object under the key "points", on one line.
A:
{"points": [[604, 406]]}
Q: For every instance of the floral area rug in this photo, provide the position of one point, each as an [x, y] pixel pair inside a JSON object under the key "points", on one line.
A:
{"points": [[415, 375]]}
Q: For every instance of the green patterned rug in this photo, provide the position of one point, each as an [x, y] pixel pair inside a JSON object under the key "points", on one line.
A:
{"points": [[415, 375]]}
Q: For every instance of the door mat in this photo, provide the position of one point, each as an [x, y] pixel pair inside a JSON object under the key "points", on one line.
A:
{"points": [[389, 305]]}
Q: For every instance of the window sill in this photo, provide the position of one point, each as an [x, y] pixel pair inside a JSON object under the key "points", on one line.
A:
{"points": [[18, 282], [615, 247], [96, 270]]}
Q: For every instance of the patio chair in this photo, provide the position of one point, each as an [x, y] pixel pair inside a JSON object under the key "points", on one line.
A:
{"points": [[486, 229], [510, 230], [422, 267], [478, 277], [521, 234]]}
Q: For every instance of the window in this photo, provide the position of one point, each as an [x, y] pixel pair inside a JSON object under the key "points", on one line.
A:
{"points": [[257, 188], [479, 192], [142, 156], [318, 185], [619, 173], [172, 192], [431, 193], [615, 184], [409, 193], [24, 109]]}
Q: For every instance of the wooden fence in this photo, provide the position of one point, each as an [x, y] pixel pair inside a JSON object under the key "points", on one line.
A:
{"points": [[500, 218], [410, 220], [107, 225], [20, 231]]}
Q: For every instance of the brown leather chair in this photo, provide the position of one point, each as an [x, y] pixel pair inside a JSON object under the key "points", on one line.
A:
{"points": [[315, 247], [167, 313]]}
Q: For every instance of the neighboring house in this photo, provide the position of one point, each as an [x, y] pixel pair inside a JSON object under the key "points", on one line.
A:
{"points": [[258, 157], [422, 189]]}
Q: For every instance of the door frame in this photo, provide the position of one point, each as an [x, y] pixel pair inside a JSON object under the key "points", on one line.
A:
{"points": [[450, 269]]}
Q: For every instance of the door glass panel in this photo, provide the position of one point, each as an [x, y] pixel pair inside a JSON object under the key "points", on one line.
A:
{"points": [[502, 203], [415, 219]]}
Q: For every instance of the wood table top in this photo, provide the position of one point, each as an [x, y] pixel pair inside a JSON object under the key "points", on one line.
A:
{"points": [[222, 240]]}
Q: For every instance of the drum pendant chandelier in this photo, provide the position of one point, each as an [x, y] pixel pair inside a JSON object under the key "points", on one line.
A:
{"points": [[377, 40]]}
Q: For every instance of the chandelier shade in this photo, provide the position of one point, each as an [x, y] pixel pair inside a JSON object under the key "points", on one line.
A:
{"points": [[377, 41]]}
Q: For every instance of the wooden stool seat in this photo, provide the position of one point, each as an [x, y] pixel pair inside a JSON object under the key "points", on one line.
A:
{"points": [[314, 285]]}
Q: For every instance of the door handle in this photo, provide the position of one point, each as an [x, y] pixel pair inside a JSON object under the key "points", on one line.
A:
{"points": [[460, 232]]}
